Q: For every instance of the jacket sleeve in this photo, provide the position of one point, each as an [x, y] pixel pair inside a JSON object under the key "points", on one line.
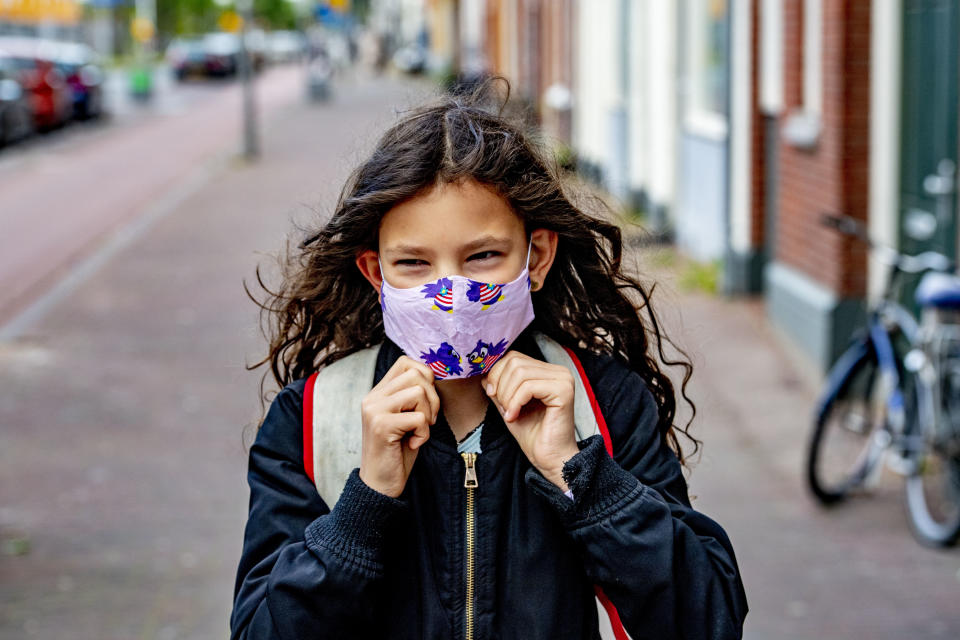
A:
{"points": [[305, 569], [670, 570]]}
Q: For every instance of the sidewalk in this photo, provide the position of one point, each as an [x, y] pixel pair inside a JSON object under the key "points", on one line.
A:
{"points": [[123, 457]]}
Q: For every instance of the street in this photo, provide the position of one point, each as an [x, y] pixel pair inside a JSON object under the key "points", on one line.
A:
{"points": [[127, 410]]}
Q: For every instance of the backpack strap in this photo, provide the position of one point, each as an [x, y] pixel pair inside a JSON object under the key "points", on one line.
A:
{"points": [[587, 418], [332, 427]]}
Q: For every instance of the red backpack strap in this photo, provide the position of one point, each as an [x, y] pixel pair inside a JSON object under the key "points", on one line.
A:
{"points": [[308, 426], [607, 441]]}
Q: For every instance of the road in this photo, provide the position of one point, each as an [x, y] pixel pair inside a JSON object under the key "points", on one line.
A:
{"points": [[127, 410]]}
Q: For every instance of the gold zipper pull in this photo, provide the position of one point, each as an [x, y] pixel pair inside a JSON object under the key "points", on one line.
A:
{"points": [[470, 479]]}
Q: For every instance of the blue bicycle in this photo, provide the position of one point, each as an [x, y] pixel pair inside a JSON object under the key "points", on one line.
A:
{"points": [[892, 399]]}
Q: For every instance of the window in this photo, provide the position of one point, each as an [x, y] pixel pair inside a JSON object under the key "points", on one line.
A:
{"points": [[706, 66]]}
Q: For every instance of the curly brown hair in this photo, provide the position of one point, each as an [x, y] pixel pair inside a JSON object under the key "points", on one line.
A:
{"points": [[323, 308]]}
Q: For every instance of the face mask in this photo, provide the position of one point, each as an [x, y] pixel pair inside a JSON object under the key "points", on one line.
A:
{"points": [[457, 326]]}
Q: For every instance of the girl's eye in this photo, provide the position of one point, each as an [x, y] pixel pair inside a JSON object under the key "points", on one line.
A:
{"points": [[484, 255], [411, 262]]}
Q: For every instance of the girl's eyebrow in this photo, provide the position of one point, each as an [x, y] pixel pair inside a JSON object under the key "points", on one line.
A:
{"points": [[486, 241], [407, 250], [483, 241]]}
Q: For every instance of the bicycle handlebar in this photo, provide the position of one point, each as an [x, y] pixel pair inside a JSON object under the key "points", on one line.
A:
{"points": [[928, 260], [848, 226]]}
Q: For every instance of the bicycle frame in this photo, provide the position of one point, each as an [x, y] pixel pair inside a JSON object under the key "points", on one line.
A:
{"points": [[891, 316], [884, 321]]}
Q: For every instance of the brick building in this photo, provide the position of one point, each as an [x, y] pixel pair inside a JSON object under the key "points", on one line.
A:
{"points": [[817, 278]]}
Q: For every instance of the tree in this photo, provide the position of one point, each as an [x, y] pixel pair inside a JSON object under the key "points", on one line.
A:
{"points": [[277, 14]]}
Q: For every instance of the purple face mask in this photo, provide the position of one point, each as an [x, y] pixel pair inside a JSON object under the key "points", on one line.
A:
{"points": [[457, 326]]}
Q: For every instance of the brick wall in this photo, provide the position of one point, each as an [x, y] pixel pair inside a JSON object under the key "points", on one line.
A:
{"points": [[832, 177], [757, 135], [543, 53]]}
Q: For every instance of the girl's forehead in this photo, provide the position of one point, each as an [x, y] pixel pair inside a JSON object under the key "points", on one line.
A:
{"points": [[449, 214]]}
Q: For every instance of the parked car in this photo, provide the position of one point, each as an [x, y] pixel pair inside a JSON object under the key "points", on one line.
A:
{"points": [[16, 116], [411, 59], [83, 74], [223, 53], [257, 45], [187, 57], [285, 46], [51, 99], [214, 54]]}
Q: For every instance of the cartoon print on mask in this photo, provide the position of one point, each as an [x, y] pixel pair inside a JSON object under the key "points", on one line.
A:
{"points": [[485, 293], [444, 361], [484, 355], [442, 293]]}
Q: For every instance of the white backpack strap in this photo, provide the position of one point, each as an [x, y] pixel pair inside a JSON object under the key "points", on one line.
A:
{"points": [[332, 424], [584, 419]]}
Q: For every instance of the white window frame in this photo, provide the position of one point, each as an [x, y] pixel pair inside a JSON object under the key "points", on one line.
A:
{"points": [[697, 118], [802, 127]]}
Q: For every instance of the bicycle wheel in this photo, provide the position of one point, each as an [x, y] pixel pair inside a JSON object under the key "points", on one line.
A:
{"points": [[933, 489], [849, 435]]}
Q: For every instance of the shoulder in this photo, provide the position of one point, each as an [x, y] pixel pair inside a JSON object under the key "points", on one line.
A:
{"points": [[282, 429], [624, 399]]}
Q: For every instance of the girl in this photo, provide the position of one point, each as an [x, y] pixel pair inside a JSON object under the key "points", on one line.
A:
{"points": [[475, 511]]}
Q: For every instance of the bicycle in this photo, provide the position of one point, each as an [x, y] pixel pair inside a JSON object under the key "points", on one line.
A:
{"points": [[893, 396]]}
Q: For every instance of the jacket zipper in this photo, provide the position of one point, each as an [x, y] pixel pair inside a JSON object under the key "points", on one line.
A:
{"points": [[470, 482]]}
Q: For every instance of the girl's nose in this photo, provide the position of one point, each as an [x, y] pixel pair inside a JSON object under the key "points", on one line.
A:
{"points": [[446, 267]]}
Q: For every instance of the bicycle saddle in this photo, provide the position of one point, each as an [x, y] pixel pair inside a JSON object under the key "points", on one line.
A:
{"points": [[941, 290]]}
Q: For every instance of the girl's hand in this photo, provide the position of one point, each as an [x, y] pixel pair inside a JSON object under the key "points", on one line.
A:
{"points": [[397, 414], [536, 401]]}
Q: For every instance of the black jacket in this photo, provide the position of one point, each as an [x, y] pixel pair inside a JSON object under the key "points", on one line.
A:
{"points": [[379, 567]]}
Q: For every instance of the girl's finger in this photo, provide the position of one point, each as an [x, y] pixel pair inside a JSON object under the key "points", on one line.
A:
{"points": [[396, 426], [546, 391], [492, 382], [425, 372], [411, 374], [432, 397], [520, 369], [408, 378], [510, 377], [398, 367], [420, 435], [412, 398], [405, 363]]}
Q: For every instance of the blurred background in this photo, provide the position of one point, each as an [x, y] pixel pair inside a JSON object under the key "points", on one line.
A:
{"points": [[154, 152]]}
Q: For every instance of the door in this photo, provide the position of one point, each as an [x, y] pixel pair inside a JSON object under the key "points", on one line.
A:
{"points": [[928, 143]]}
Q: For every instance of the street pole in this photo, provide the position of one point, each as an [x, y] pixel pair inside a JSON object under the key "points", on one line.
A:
{"points": [[251, 145], [144, 31]]}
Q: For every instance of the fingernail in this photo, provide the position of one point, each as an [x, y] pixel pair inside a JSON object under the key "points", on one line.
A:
{"points": [[489, 389]]}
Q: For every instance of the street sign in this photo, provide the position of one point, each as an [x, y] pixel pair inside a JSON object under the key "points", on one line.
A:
{"points": [[142, 29], [230, 21]]}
